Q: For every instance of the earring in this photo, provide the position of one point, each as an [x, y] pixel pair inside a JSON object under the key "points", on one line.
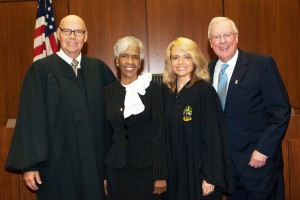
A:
{"points": [[139, 66], [117, 64]]}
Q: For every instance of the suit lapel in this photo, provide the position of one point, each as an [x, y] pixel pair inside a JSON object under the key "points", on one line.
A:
{"points": [[239, 72]]}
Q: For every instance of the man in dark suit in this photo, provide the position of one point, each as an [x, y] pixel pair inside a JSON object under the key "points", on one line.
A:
{"points": [[256, 109], [58, 143]]}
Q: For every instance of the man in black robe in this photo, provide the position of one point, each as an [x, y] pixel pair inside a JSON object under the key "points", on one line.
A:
{"points": [[59, 135]]}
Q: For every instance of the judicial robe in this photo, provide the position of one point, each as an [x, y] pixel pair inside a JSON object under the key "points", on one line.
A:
{"points": [[196, 143], [59, 129]]}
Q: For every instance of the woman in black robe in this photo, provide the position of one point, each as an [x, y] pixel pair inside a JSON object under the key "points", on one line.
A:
{"points": [[136, 156], [198, 157]]}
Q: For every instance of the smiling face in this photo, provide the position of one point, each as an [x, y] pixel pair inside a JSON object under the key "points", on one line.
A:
{"points": [[224, 48], [181, 63], [71, 45], [129, 62]]}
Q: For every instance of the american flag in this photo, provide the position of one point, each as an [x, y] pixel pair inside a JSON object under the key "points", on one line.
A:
{"points": [[45, 39]]}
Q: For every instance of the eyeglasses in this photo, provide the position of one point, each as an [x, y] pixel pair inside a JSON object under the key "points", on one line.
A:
{"points": [[77, 32], [226, 36]]}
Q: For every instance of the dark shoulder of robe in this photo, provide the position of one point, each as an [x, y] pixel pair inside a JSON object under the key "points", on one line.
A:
{"points": [[60, 128], [196, 142]]}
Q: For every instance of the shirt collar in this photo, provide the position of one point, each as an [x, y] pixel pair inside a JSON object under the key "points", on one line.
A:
{"points": [[232, 61], [66, 58]]}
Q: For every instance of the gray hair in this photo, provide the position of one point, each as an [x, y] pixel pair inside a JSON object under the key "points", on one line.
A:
{"points": [[126, 42], [220, 19]]}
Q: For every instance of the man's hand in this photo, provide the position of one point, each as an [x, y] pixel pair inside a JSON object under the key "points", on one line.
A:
{"points": [[31, 179], [257, 159]]}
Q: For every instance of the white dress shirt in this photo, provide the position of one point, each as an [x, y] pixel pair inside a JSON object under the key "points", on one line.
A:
{"points": [[68, 59], [228, 71]]}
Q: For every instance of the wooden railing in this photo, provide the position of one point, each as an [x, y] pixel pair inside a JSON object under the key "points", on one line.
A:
{"points": [[291, 156], [12, 186]]}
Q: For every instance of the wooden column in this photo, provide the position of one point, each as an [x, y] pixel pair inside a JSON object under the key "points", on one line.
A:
{"points": [[12, 186], [291, 156]]}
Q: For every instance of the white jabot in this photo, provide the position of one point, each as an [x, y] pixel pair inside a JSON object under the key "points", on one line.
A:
{"points": [[133, 104]]}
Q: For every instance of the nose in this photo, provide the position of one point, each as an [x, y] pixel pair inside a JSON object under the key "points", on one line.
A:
{"points": [[222, 39], [181, 60], [72, 35], [129, 60]]}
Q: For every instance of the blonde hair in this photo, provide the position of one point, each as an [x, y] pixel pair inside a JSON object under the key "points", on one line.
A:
{"points": [[200, 71]]}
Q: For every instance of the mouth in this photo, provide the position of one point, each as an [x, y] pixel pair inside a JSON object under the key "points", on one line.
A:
{"points": [[71, 43], [181, 68], [224, 48], [129, 68]]}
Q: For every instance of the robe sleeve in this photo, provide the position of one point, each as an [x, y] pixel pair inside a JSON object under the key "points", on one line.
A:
{"points": [[159, 140], [216, 163], [29, 146], [107, 75]]}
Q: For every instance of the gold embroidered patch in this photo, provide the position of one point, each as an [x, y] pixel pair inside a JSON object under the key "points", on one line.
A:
{"points": [[187, 113]]}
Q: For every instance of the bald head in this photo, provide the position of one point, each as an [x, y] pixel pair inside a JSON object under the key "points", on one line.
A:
{"points": [[72, 34], [72, 19]]}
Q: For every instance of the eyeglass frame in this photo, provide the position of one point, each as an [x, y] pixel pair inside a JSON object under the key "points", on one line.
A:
{"points": [[72, 31], [226, 36]]}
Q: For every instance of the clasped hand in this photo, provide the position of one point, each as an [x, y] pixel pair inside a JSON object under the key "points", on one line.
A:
{"points": [[207, 188]]}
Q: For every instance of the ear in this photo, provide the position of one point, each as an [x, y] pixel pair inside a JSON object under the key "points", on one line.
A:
{"points": [[210, 43], [117, 62], [58, 33], [85, 36], [141, 63]]}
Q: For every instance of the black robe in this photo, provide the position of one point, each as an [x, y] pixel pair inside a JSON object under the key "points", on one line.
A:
{"points": [[60, 128], [196, 141]]}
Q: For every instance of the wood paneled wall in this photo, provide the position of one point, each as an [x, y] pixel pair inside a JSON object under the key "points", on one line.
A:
{"points": [[270, 27], [107, 21], [169, 19], [16, 50]]}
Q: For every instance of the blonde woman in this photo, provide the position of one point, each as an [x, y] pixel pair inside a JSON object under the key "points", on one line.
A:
{"points": [[198, 159]]}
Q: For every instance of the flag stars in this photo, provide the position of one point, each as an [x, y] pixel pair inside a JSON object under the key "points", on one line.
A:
{"points": [[45, 18]]}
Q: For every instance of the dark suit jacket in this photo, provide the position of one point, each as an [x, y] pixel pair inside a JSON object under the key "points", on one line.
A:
{"points": [[257, 112], [139, 140]]}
